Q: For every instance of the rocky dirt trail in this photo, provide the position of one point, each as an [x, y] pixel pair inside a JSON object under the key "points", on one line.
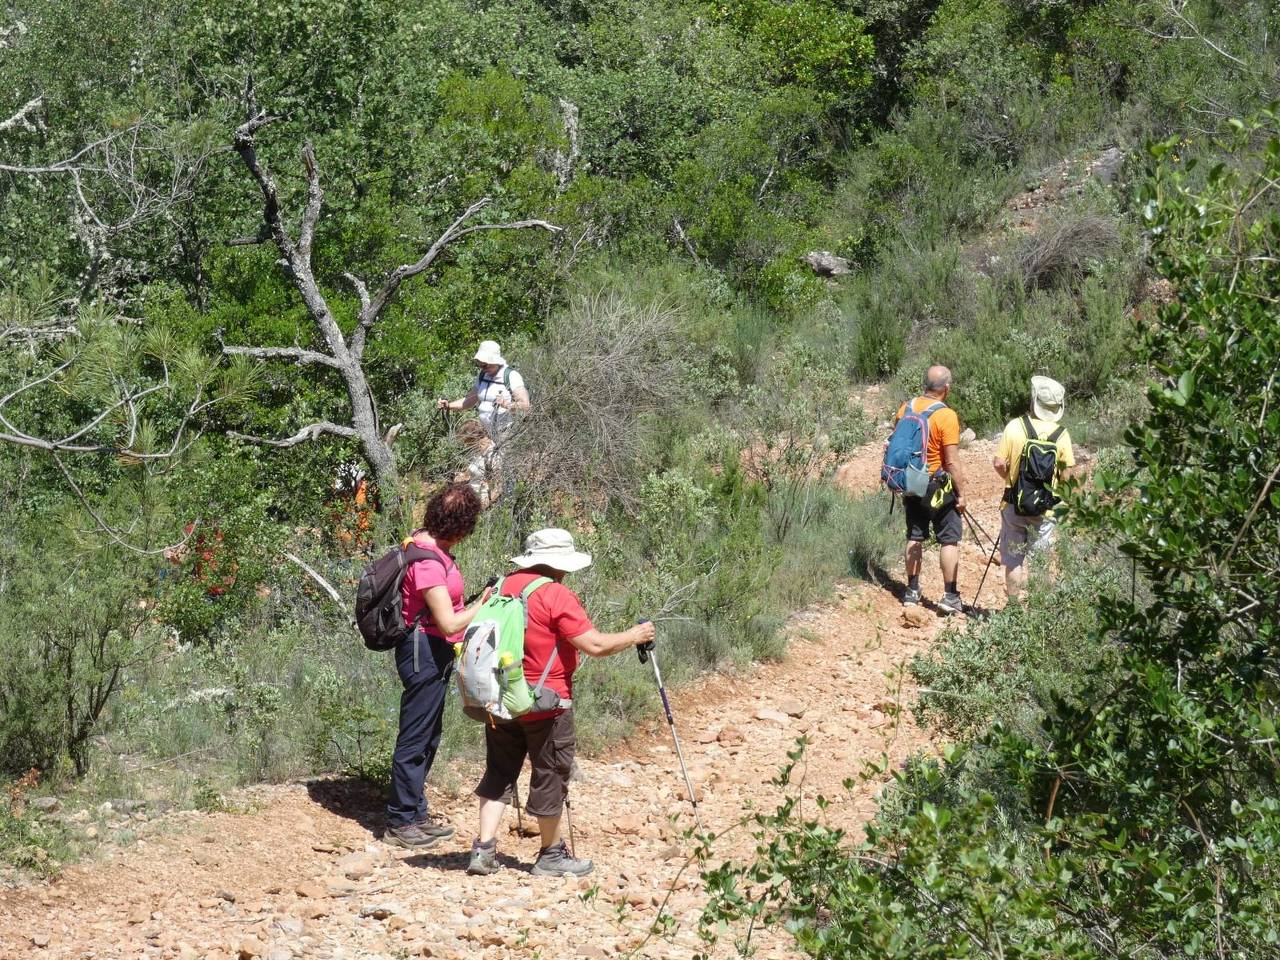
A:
{"points": [[303, 874]]}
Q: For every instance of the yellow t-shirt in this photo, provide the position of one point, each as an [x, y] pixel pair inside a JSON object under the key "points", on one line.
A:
{"points": [[1014, 439]]}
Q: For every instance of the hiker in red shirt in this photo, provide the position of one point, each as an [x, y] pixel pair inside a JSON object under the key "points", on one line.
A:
{"points": [[556, 621]]}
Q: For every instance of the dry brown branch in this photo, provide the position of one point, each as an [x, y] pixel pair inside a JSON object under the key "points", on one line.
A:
{"points": [[341, 354], [1064, 250]]}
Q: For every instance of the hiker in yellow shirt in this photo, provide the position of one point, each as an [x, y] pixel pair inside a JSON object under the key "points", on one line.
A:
{"points": [[1031, 471]]}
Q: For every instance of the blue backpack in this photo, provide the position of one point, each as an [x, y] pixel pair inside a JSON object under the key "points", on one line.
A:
{"points": [[905, 468]]}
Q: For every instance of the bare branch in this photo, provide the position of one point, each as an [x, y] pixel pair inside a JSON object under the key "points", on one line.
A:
{"points": [[315, 197], [362, 291], [243, 143], [456, 231], [310, 432], [297, 354], [20, 118], [116, 535]]}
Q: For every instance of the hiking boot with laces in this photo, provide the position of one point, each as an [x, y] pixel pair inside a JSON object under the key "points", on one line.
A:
{"points": [[951, 603], [484, 859], [434, 827], [555, 861], [411, 836], [911, 597]]}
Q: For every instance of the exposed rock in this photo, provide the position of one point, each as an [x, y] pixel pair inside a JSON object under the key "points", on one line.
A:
{"points": [[309, 888], [826, 264], [292, 926], [40, 940], [44, 804], [709, 735], [139, 914], [356, 866], [278, 953], [249, 948], [792, 707], [1107, 165], [226, 895], [771, 715], [380, 911], [731, 736], [916, 617], [967, 436]]}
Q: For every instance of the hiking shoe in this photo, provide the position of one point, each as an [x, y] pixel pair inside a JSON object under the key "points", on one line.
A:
{"points": [[911, 597], [555, 861], [951, 603], [484, 860], [434, 827], [411, 836]]}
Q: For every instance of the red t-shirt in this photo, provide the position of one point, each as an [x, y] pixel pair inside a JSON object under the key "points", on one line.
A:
{"points": [[555, 615]]}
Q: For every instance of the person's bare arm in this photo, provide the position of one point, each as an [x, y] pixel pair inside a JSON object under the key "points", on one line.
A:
{"points": [[466, 403], [951, 463], [519, 399], [596, 644], [446, 619]]}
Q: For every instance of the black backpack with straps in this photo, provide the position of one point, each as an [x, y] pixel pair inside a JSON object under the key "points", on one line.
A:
{"points": [[1032, 493], [379, 605]]}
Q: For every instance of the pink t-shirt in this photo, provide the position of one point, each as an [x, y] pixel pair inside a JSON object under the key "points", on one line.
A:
{"points": [[422, 576]]}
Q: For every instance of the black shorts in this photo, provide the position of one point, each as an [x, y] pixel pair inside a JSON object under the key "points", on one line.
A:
{"points": [[549, 744], [948, 527]]}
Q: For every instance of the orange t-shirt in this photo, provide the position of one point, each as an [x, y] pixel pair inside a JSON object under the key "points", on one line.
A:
{"points": [[944, 429]]}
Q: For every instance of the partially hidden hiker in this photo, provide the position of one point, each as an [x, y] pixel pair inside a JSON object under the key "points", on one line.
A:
{"points": [[434, 617], [498, 392], [556, 624], [481, 471], [1034, 457], [926, 428]]}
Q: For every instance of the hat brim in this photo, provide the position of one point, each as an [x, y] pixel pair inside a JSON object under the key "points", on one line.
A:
{"points": [[565, 562], [1047, 413], [487, 358]]}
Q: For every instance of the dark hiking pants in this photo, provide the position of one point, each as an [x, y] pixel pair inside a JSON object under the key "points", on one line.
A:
{"points": [[421, 719]]}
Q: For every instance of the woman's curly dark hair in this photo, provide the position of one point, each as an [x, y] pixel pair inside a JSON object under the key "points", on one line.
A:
{"points": [[452, 513]]}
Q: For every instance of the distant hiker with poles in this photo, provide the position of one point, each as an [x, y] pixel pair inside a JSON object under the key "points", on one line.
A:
{"points": [[433, 617], [556, 630], [921, 464], [499, 390], [1034, 457]]}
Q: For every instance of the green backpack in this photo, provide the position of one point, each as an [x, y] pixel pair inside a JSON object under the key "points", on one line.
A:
{"points": [[491, 678]]}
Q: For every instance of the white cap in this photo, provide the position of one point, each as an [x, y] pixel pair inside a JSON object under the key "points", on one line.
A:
{"points": [[489, 352], [552, 548], [1047, 396]]}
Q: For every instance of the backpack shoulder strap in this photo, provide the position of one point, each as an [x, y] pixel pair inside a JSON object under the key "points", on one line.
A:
{"points": [[1029, 428], [506, 377], [1053, 437], [534, 585]]}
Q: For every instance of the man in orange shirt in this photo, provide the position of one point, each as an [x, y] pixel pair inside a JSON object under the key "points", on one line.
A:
{"points": [[942, 506]]}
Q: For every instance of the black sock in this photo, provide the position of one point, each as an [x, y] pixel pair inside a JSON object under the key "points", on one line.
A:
{"points": [[913, 583], [951, 586]]}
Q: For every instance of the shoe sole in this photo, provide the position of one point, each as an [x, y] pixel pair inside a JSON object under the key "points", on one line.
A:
{"points": [[951, 610], [397, 842], [544, 872], [483, 871]]}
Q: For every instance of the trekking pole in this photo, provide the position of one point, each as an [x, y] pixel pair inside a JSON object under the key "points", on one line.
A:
{"points": [[991, 559], [647, 654], [515, 801], [974, 521]]}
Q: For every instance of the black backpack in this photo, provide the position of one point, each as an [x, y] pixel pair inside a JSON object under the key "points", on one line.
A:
{"points": [[1032, 494], [379, 606]]}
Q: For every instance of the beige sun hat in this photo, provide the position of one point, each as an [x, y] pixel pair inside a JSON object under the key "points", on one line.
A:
{"points": [[552, 548], [489, 352], [1047, 399]]}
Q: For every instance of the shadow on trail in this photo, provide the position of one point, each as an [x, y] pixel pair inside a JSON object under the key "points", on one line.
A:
{"points": [[352, 799], [459, 861]]}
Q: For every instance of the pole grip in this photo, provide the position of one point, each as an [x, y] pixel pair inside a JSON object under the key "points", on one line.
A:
{"points": [[642, 649]]}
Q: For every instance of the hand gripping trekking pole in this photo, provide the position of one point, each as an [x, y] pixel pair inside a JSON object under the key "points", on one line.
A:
{"points": [[647, 654]]}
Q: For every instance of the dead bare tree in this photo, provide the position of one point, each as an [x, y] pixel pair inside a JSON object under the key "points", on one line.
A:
{"points": [[344, 355]]}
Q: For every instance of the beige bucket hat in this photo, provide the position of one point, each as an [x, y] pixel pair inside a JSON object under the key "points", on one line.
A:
{"points": [[552, 548], [489, 352], [1047, 399]]}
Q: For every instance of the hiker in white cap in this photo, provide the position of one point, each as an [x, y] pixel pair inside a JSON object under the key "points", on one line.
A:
{"points": [[555, 621], [1034, 458], [499, 391]]}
